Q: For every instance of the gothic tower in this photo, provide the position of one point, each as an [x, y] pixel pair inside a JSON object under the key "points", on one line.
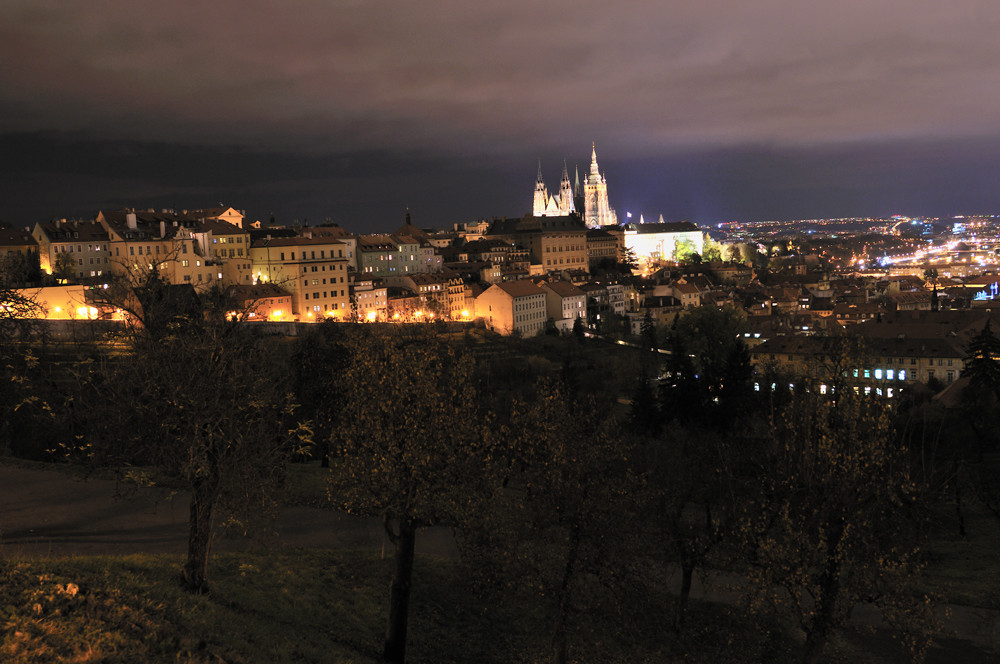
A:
{"points": [[565, 193], [541, 194], [597, 210], [591, 199]]}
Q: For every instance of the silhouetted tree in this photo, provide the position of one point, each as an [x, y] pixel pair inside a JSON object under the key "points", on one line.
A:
{"points": [[838, 519], [210, 409], [413, 446], [708, 372], [562, 516]]}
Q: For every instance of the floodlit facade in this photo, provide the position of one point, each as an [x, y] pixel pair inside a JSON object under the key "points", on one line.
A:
{"points": [[553, 244], [659, 242], [87, 243], [564, 303], [185, 248], [313, 269], [513, 306], [589, 200]]}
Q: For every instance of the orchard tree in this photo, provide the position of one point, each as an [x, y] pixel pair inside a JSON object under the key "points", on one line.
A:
{"points": [[206, 405], [837, 520], [413, 446], [690, 485], [559, 521]]}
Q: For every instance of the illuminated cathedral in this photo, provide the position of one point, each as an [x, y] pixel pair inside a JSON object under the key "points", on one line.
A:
{"points": [[589, 201]]}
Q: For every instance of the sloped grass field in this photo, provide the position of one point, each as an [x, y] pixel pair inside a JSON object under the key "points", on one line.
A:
{"points": [[321, 606]]}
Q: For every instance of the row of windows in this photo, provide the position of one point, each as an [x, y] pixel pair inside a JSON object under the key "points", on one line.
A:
{"points": [[315, 295], [553, 261], [312, 256], [823, 389], [68, 248], [315, 282], [322, 268], [913, 361]]}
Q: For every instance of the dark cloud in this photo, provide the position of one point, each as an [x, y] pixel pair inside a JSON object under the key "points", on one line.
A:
{"points": [[451, 98]]}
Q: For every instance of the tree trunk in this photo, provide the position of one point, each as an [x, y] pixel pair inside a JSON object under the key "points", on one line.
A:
{"points": [[687, 572], [394, 651], [815, 642], [560, 646], [959, 504], [826, 601], [195, 573], [324, 454]]}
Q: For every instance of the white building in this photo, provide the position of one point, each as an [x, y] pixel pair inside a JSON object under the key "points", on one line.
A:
{"points": [[659, 242]]}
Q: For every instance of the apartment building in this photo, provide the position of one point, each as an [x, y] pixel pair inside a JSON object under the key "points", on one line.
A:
{"points": [[313, 269]]}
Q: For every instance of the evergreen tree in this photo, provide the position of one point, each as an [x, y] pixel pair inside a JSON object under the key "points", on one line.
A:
{"points": [[982, 366], [648, 331]]}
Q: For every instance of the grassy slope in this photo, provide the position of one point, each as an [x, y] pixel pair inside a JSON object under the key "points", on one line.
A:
{"points": [[314, 606]]}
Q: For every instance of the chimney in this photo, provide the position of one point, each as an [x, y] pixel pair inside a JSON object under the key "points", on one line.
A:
{"points": [[60, 222], [130, 220], [163, 229]]}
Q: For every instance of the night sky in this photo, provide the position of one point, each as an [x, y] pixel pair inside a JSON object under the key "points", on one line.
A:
{"points": [[356, 110]]}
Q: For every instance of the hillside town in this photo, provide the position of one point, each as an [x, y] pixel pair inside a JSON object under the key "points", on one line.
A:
{"points": [[546, 272], [914, 290]]}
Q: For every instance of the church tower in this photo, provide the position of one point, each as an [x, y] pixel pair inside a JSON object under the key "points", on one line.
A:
{"points": [[565, 193], [597, 210], [590, 199], [541, 194]]}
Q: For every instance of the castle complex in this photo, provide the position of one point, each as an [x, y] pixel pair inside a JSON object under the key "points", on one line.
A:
{"points": [[589, 201]]}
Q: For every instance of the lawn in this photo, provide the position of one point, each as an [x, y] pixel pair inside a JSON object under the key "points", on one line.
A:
{"points": [[323, 606]]}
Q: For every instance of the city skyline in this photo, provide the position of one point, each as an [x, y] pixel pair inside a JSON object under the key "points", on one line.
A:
{"points": [[358, 111]]}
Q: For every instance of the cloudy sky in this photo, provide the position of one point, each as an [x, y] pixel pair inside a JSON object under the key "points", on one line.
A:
{"points": [[356, 110]]}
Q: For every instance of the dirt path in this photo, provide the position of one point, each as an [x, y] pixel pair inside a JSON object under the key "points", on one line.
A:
{"points": [[51, 513]]}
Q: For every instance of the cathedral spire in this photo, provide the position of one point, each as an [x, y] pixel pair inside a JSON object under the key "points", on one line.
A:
{"points": [[594, 170], [541, 198], [566, 204]]}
